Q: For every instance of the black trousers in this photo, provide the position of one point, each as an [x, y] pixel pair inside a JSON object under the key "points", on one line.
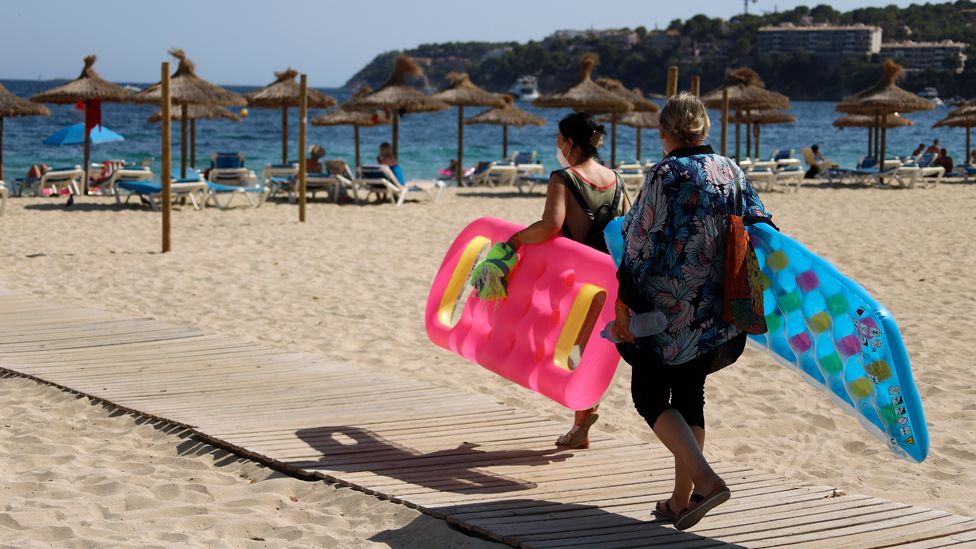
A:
{"points": [[656, 387]]}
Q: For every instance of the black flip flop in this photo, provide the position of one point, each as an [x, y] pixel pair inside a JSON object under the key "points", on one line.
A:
{"points": [[693, 515]]}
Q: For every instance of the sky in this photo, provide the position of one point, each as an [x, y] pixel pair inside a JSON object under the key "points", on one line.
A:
{"points": [[243, 42]]}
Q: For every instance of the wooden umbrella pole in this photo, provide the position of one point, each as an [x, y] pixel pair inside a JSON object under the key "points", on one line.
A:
{"points": [[870, 141], [757, 129], [355, 133], [672, 81], [884, 139], [302, 127], [613, 141], [738, 137], [725, 122], [396, 134], [638, 143], [193, 143], [459, 170], [504, 141], [164, 107], [183, 143], [87, 152], [748, 136], [965, 161], [696, 85], [877, 136], [284, 135]]}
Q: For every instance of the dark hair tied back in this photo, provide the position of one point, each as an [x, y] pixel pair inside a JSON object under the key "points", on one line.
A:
{"points": [[586, 134]]}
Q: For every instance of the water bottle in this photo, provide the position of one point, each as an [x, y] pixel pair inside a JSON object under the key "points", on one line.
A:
{"points": [[642, 325]]}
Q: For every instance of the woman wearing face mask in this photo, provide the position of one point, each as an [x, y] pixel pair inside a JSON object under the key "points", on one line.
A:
{"points": [[574, 193], [674, 248]]}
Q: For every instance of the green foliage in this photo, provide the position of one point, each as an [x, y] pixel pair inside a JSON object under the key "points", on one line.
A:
{"points": [[707, 46]]}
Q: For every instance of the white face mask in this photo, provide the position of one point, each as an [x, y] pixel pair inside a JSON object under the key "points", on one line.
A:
{"points": [[561, 158]]}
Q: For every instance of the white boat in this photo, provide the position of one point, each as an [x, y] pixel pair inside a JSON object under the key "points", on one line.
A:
{"points": [[131, 88], [932, 95], [525, 88]]}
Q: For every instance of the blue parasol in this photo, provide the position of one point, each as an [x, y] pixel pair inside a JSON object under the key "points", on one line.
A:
{"points": [[75, 135]]}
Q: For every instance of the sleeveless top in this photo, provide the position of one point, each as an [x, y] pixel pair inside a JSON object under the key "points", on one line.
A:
{"points": [[594, 196]]}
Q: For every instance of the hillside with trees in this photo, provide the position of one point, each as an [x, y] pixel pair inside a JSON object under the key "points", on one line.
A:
{"points": [[707, 46]]}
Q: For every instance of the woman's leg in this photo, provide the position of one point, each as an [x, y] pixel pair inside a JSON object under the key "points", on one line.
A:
{"points": [[683, 483], [684, 427]]}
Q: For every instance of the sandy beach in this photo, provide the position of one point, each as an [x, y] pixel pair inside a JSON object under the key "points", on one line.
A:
{"points": [[351, 283]]}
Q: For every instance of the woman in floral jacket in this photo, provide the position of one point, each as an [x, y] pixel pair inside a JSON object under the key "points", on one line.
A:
{"points": [[674, 239]]}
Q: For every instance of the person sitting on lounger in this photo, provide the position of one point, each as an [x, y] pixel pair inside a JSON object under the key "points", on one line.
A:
{"points": [[944, 160], [972, 158], [918, 150], [818, 164], [313, 163], [934, 147]]}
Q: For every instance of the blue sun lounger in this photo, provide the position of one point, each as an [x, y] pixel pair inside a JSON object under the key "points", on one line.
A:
{"points": [[152, 191]]}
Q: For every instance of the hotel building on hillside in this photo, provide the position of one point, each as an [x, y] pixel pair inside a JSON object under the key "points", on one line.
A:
{"points": [[821, 40], [924, 55]]}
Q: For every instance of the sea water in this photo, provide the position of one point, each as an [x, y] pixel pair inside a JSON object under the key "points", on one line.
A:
{"points": [[428, 141]]}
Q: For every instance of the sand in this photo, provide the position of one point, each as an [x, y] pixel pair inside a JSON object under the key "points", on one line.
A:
{"points": [[351, 284]]}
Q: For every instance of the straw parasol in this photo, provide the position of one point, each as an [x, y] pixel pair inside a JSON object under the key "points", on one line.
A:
{"points": [[585, 95], [90, 89], [356, 119], [638, 121], [883, 99], [641, 104], [505, 116], [187, 89], [285, 92], [746, 92], [11, 105], [194, 113], [397, 96], [757, 119], [962, 117], [894, 120], [462, 92]]}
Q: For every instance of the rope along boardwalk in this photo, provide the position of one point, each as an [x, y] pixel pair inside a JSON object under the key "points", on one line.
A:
{"points": [[461, 457]]}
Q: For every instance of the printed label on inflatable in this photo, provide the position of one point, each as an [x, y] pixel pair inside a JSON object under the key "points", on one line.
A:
{"points": [[529, 336]]}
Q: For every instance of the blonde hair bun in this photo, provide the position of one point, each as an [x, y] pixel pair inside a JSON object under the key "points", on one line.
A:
{"points": [[684, 116]]}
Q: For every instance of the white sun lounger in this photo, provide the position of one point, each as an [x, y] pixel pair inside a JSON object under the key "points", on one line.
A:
{"points": [[380, 179], [3, 197]]}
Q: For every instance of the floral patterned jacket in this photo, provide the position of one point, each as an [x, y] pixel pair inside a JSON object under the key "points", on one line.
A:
{"points": [[674, 249]]}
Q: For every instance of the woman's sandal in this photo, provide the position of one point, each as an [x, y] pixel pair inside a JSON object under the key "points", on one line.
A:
{"points": [[702, 505], [663, 510], [578, 437]]}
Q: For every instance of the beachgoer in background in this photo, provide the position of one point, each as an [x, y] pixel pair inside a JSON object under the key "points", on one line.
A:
{"points": [[36, 171], [918, 150], [972, 158], [933, 148], [674, 242], [386, 158], [818, 164], [944, 160], [313, 163], [582, 179]]}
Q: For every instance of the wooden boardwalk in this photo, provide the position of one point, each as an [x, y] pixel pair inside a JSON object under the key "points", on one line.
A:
{"points": [[467, 459]]}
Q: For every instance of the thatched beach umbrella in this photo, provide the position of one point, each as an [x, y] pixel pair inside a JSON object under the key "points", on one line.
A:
{"points": [[189, 89], [746, 92], [398, 97], [639, 121], [90, 89], [356, 119], [894, 120], [11, 105], [962, 117], [585, 95], [505, 116], [641, 104], [757, 119], [194, 113], [882, 100], [283, 93], [461, 92]]}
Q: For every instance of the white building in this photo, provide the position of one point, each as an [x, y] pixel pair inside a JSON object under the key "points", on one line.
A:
{"points": [[823, 40], [924, 55]]}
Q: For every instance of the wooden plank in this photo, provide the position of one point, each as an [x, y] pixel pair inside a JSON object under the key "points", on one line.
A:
{"points": [[966, 535]]}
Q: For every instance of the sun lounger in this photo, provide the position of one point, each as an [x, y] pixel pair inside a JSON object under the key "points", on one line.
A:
{"points": [[632, 175], [226, 183], [494, 175], [280, 178], [379, 180], [3, 197], [55, 179], [151, 192], [526, 164]]}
